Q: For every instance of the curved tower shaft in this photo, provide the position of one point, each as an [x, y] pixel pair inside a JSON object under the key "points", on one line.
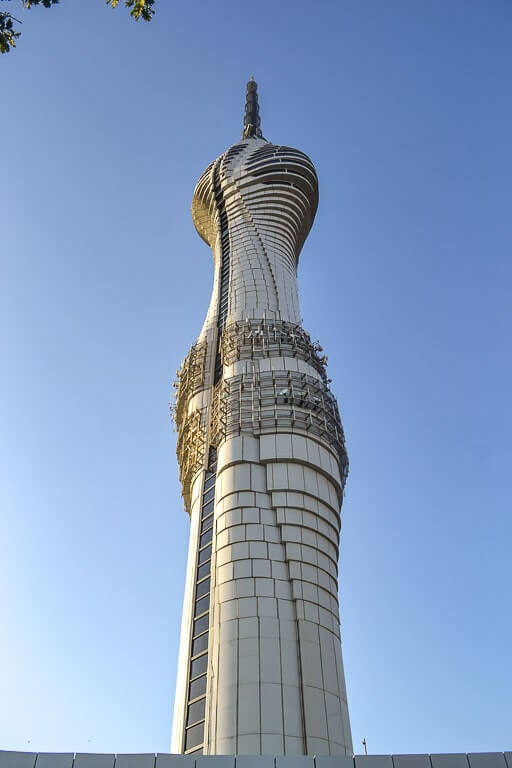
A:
{"points": [[263, 465]]}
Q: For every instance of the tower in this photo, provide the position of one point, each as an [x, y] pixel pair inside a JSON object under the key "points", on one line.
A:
{"points": [[263, 465]]}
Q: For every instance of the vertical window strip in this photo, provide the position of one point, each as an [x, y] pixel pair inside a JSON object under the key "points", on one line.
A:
{"points": [[198, 670], [222, 310]]}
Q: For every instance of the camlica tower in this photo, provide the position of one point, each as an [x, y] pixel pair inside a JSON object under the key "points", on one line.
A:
{"points": [[263, 465]]}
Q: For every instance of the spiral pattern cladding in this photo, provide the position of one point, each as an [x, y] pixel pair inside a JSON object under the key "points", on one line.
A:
{"points": [[268, 196]]}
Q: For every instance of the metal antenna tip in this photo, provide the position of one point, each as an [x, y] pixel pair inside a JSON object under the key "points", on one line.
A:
{"points": [[252, 122]]}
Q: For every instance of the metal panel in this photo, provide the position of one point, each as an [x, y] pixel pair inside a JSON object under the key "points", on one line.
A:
{"points": [[164, 760], [215, 761], [411, 761], [55, 760], [255, 761], [295, 762], [373, 761], [94, 760], [449, 761], [331, 761], [487, 760], [17, 759], [146, 760]]}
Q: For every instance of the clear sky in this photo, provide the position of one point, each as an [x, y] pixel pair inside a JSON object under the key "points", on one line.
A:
{"points": [[405, 108]]}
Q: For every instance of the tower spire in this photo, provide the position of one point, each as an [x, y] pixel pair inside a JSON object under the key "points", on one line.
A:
{"points": [[252, 120]]}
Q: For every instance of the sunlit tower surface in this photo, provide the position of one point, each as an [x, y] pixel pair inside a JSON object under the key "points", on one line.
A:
{"points": [[263, 465]]}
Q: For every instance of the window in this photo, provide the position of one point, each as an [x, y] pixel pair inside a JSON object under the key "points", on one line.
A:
{"points": [[207, 523], [196, 711], [194, 728], [201, 625], [203, 570], [203, 588], [200, 644], [208, 495], [202, 605], [194, 736], [197, 687], [207, 509], [205, 554], [206, 538], [199, 665]]}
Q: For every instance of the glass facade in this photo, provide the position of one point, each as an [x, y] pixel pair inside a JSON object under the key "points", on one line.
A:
{"points": [[196, 702]]}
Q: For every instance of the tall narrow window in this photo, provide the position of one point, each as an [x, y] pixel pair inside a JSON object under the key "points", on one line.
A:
{"points": [[198, 671]]}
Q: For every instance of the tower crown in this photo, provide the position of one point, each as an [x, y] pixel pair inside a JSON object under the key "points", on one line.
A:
{"points": [[275, 185]]}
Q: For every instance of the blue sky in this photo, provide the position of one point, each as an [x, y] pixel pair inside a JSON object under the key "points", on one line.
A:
{"points": [[406, 110]]}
